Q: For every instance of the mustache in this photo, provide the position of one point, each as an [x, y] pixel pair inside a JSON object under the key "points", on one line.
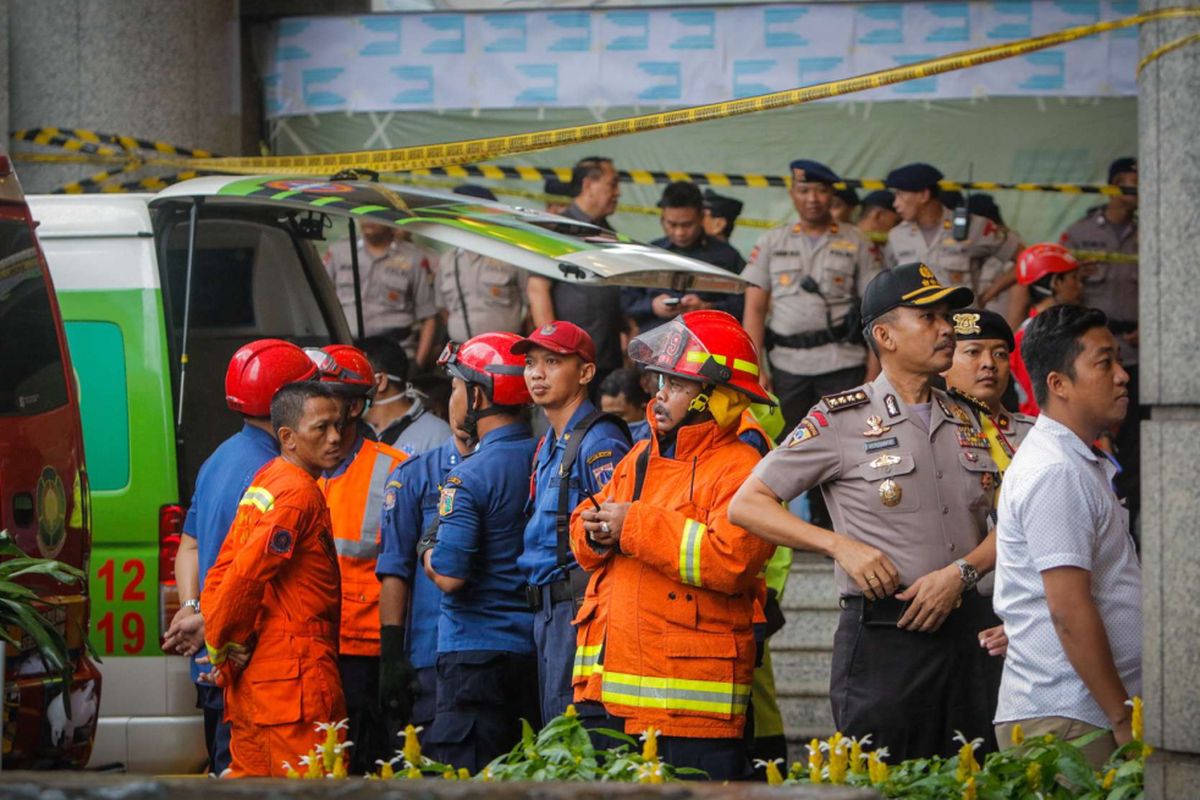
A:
{"points": [[661, 410]]}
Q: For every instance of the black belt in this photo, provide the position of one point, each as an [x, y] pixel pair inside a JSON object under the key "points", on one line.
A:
{"points": [[399, 334], [809, 339], [1122, 326], [571, 587]]}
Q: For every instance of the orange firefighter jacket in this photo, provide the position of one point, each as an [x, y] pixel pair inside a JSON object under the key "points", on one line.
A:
{"points": [[355, 495], [666, 629], [274, 586]]}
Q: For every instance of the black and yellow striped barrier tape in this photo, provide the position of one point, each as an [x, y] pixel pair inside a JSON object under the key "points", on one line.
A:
{"points": [[94, 142]]}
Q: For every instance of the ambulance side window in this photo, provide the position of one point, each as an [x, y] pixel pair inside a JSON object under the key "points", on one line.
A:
{"points": [[32, 380]]}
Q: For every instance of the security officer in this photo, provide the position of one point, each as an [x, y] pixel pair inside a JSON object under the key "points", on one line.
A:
{"points": [[807, 278], [273, 593], [926, 234], [397, 414], [478, 294], [396, 287], [908, 477], [485, 632], [354, 491], [1112, 287], [682, 219], [595, 189], [720, 215], [409, 602], [845, 201], [681, 582], [256, 371], [574, 460]]}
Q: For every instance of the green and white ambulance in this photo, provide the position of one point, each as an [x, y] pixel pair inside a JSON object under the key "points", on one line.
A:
{"points": [[157, 292]]}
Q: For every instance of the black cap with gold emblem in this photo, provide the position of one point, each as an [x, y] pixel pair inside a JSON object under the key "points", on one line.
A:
{"points": [[909, 285], [979, 323]]}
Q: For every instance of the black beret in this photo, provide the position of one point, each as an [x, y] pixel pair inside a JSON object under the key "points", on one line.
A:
{"points": [[812, 172], [979, 323], [984, 205], [721, 206], [881, 198], [849, 196], [913, 177], [1121, 165]]}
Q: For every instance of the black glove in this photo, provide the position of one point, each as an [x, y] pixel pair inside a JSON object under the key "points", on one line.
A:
{"points": [[397, 679], [774, 614]]}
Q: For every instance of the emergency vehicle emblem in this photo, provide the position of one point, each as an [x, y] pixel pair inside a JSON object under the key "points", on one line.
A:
{"points": [[51, 513]]}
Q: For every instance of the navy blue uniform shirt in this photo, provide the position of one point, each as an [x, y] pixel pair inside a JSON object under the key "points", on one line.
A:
{"points": [[482, 523], [604, 444], [638, 302]]}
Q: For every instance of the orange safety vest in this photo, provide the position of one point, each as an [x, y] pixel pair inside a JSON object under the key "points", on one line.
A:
{"points": [[355, 498], [666, 628]]}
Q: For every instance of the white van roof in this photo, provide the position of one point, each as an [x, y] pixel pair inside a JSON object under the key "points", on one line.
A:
{"points": [[65, 216]]}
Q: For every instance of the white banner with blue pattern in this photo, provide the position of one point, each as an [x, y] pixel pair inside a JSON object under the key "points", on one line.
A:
{"points": [[680, 56]]}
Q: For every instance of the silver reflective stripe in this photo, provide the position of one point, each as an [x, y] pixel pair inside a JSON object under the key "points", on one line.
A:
{"points": [[367, 545]]}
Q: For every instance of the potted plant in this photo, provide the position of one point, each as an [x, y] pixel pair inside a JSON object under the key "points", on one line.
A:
{"points": [[18, 610]]}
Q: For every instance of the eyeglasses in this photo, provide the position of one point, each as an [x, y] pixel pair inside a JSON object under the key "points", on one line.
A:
{"points": [[329, 368], [449, 354]]}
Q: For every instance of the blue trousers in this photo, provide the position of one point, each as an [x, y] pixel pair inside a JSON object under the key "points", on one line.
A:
{"points": [[554, 639]]}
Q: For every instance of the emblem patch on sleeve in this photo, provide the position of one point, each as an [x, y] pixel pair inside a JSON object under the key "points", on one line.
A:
{"points": [[280, 542], [603, 473], [446, 503], [804, 431]]}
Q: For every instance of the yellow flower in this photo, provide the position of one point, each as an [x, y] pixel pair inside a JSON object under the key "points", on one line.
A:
{"points": [[386, 770], [837, 758], [967, 765], [1109, 777], [1018, 735], [339, 768], [814, 761], [449, 774], [1137, 724], [877, 768], [857, 759], [486, 775], [774, 776], [571, 713], [412, 774], [464, 774], [290, 771], [650, 748], [313, 762], [1146, 751], [412, 746], [968, 792], [1033, 776]]}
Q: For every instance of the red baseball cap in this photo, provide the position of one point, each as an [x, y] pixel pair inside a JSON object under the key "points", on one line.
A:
{"points": [[566, 338]]}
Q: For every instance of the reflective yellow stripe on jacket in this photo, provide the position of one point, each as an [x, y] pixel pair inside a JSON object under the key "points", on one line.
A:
{"points": [[587, 661], [258, 497], [644, 691], [689, 552]]}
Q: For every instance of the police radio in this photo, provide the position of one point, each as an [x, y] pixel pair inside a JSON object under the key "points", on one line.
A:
{"points": [[962, 219]]}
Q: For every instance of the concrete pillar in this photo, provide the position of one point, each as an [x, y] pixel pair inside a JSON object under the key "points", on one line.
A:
{"points": [[1169, 295], [157, 69]]}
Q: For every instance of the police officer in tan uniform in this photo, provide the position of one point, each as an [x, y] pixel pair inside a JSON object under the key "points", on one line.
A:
{"points": [[475, 293], [396, 286], [1112, 287], [801, 306], [908, 478], [926, 234]]}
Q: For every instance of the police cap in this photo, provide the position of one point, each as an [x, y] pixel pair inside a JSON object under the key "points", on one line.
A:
{"points": [[979, 323], [719, 205], [1121, 166], [881, 198], [913, 177], [912, 284], [805, 171], [984, 205]]}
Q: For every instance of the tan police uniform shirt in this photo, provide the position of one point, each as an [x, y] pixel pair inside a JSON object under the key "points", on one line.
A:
{"points": [[841, 263], [921, 497], [954, 263], [1109, 286], [491, 292], [396, 288]]}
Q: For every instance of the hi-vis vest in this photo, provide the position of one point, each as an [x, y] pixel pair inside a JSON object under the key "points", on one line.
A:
{"points": [[355, 499]]}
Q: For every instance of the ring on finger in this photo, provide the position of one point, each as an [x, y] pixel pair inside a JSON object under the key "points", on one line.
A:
{"points": [[604, 527]]}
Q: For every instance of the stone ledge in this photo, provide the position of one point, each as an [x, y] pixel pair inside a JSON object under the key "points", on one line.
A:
{"points": [[92, 786]]}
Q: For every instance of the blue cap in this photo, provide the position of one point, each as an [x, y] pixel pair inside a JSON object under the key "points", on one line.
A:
{"points": [[1121, 166], [913, 178], [880, 198], [812, 172]]}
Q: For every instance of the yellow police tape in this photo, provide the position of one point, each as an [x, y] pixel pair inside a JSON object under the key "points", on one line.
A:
{"points": [[486, 149]]}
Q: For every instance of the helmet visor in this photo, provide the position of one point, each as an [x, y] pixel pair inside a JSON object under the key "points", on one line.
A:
{"points": [[330, 371], [670, 347]]}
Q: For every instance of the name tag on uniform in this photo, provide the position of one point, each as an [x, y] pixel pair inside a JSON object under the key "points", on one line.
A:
{"points": [[882, 444]]}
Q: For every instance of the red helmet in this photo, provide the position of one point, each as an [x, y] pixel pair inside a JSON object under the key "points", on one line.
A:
{"points": [[706, 346], [347, 366], [487, 361], [259, 369], [1039, 260]]}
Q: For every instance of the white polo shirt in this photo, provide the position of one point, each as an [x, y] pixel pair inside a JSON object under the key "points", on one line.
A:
{"points": [[1057, 509]]}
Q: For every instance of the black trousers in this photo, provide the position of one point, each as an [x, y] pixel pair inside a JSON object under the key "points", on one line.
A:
{"points": [[211, 700], [912, 691], [722, 759], [1128, 445], [482, 696], [368, 728]]}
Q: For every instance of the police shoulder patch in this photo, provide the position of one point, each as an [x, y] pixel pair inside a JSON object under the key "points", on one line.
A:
{"points": [[599, 454], [280, 542], [807, 429], [446, 503], [389, 500], [850, 399]]}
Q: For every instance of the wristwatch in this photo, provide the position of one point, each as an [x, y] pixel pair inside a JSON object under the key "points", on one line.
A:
{"points": [[193, 604], [968, 573]]}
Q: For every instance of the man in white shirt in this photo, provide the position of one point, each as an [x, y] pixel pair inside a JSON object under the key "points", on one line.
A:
{"points": [[1068, 581]]}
